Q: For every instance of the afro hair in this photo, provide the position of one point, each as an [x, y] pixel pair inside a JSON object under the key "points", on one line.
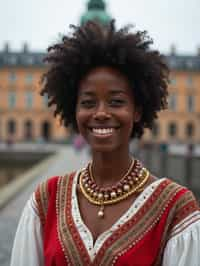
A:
{"points": [[93, 45]]}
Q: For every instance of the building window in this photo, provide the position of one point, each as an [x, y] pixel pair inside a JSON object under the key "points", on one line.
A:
{"points": [[189, 81], [155, 130], [12, 99], [189, 130], [190, 103], [11, 127], [28, 130], [172, 129], [173, 81], [172, 62], [29, 99], [45, 100], [46, 130], [190, 64], [29, 79], [12, 59], [29, 60], [12, 77], [172, 101]]}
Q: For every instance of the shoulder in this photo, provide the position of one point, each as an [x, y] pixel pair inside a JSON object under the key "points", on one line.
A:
{"points": [[42, 194], [184, 208], [178, 201], [183, 197], [180, 196], [46, 192], [187, 209], [49, 186], [46, 188]]}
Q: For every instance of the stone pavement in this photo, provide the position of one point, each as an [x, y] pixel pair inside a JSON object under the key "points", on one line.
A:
{"points": [[67, 161]]}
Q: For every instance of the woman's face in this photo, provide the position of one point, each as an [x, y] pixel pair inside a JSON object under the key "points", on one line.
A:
{"points": [[105, 110]]}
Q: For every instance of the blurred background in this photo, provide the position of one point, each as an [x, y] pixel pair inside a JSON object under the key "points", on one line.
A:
{"points": [[32, 141]]}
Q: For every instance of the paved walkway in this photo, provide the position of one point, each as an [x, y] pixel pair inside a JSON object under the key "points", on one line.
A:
{"points": [[67, 161]]}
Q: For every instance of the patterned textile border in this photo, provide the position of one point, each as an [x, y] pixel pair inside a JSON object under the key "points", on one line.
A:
{"points": [[74, 250], [42, 196], [186, 205], [140, 224]]}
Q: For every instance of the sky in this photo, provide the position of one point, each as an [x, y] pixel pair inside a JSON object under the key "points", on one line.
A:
{"points": [[40, 22]]}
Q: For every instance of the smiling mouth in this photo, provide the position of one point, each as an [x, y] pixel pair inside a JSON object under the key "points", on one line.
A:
{"points": [[103, 131]]}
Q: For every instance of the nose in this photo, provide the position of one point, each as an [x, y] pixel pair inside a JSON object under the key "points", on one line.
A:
{"points": [[101, 112]]}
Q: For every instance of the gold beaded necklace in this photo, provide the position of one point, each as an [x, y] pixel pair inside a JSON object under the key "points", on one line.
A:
{"points": [[132, 182]]}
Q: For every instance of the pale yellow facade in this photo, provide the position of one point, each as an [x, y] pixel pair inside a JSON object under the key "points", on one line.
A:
{"points": [[184, 85], [20, 112]]}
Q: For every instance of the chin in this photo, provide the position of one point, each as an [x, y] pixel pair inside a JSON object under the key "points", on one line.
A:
{"points": [[103, 148]]}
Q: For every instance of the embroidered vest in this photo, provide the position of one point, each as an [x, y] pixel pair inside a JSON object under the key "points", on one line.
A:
{"points": [[138, 242]]}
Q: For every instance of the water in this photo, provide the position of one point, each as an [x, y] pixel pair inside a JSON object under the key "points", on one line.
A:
{"points": [[10, 170]]}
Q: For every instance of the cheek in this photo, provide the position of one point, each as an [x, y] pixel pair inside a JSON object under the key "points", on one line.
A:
{"points": [[128, 121], [127, 118], [130, 126], [81, 118], [78, 120]]}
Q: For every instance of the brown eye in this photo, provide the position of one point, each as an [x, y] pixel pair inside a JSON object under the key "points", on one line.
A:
{"points": [[117, 102], [87, 103]]}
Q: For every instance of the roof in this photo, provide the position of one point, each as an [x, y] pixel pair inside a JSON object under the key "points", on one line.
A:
{"points": [[20, 59], [184, 62], [35, 59]]}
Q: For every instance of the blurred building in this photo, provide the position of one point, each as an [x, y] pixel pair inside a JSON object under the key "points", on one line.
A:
{"points": [[24, 115], [181, 122]]}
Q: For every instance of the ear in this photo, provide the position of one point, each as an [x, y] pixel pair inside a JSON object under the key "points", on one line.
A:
{"points": [[137, 115]]}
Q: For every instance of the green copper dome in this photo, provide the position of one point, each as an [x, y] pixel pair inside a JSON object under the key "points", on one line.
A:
{"points": [[96, 4], [96, 10]]}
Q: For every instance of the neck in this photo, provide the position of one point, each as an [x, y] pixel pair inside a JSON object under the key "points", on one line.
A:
{"points": [[109, 168]]}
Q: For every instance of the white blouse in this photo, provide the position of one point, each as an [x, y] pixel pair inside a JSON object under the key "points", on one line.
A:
{"points": [[183, 249]]}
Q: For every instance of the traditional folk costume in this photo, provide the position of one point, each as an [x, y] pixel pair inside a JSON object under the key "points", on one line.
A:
{"points": [[162, 227]]}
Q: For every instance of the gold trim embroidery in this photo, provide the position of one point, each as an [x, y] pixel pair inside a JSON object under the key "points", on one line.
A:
{"points": [[41, 197], [186, 205], [65, 223], [145, 222]]}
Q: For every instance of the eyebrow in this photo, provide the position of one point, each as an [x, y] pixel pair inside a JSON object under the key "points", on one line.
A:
{"points": [[117, 91], [112, 92], [86, 93]]}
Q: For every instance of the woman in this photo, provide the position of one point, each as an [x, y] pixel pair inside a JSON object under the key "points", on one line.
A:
{"points": [[109, 86]]}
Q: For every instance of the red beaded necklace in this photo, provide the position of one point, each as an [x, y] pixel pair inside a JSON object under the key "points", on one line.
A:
{"points": [[130, 183]]}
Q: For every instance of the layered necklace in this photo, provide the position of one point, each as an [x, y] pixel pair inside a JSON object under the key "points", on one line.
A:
{"points": [[132, 182]]}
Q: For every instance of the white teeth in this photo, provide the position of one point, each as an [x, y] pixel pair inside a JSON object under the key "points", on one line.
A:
{"points": [[102, 131]]}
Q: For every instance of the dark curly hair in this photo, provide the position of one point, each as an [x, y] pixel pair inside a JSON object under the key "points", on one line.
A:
{"points": [[93, 45]]}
